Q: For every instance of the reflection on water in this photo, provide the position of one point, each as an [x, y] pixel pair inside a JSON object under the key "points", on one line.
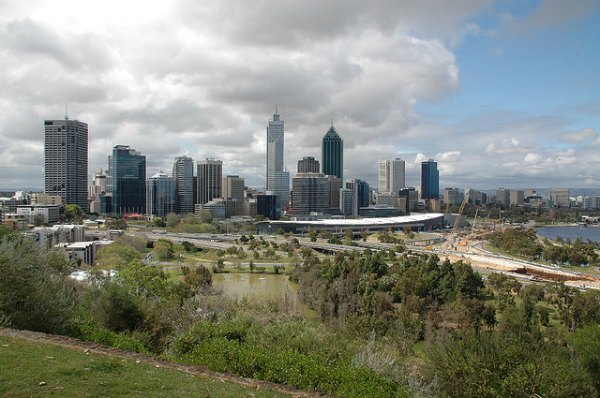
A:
{"points": [[263, 286], [271, 286]]}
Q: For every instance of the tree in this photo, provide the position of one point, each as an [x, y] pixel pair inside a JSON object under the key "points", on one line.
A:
{"points": [[586, 342], [159, 222], [35, 293], [172, 220], [164, 250], [116, 223], [39, 219], [74, 214]]}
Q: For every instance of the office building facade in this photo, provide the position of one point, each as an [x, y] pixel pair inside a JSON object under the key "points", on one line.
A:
{"points": [[311, 193], [66, 161], [210, 180], [183, 173], [126, 182], [161, 195], [430, 180], [309, 164], [392, 175], [278, 178], [332, 154]]}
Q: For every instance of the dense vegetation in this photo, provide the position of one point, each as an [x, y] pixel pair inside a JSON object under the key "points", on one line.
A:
{"points": [[391, 323], [523, 242]]}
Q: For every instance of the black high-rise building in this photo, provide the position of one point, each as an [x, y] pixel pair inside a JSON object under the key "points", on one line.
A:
{"points": [[66, 161], [332, 154]]}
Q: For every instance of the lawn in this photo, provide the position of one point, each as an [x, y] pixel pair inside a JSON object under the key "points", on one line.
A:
{"points": [[36, 369]]}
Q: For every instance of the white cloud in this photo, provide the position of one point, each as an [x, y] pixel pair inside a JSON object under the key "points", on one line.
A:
{"points": [[580, 136]]}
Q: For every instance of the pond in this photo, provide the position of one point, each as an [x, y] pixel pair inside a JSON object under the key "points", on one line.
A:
{"points": [[269, 286]]}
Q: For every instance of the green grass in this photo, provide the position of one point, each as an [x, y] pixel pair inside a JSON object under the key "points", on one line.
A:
{"points": [[72, 373]]}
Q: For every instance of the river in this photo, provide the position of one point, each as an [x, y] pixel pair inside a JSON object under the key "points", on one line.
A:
{"points": [[571, 232]]}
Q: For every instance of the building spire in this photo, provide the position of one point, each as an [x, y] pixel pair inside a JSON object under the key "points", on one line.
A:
{"points": [[276, 110], [331, 119], [66, 112]]}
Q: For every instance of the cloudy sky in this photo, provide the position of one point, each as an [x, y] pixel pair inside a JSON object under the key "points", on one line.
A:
{"points": [[500, 93]]}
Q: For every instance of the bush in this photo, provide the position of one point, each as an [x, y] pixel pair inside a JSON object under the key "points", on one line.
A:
{"points": [[34, 293]]}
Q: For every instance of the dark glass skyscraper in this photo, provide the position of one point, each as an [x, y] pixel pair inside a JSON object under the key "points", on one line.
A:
{"points": [[126, 181], [161, 195], [183, 173], [332, 154], [430, 180], [66, 161]]}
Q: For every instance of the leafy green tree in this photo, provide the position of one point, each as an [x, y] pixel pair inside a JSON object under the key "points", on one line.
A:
{"points": [[74, 214], [172, 220], [159, 222], [586, 343], [35, 293], [113, 306], [116, 223], [164, 250]]}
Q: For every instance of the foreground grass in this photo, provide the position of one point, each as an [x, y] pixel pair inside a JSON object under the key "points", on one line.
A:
{"points": [[73, 373]]}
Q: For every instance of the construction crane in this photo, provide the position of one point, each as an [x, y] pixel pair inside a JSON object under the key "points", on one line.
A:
{"points": [[459, 214]]}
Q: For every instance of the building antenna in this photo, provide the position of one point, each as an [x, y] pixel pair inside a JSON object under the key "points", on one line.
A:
{"points": [[66, 112], [276, 111], [331, 119]]}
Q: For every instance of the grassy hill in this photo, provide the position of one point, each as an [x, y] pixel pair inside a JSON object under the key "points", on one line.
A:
{"points": [[39, 369]]}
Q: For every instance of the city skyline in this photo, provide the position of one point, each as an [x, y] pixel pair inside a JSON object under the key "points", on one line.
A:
{"points": [[499, 93]]}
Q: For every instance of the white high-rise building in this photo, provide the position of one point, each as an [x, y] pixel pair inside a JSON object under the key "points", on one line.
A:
{"points": [[397, 175], [278, 178], [392, 175], [384, 175]]}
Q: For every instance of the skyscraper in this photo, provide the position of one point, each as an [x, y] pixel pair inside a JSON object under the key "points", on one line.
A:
{"points": [[384, 175], [309, 164], [126, 181], [391, 175], [278, 179], [210, 183], [397, 175], [66, 161], [332, 153], [161, 195], [233, 192], [183, 173], [430, 180]]}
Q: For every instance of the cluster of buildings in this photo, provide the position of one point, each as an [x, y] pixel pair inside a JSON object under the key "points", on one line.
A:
{"points": [[318, 189]]}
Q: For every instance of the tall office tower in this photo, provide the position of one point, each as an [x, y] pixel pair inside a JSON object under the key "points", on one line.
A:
{"points": [[311, 193], [391, 175], [309, 164], [126, 181], [384, 175], [95, 190], [183, 173], [278, 178], [430, 180], [517, 198], [161, 195], [452, 196], [210, 175], [66, 161], [503, 197], [560, 197], [362, 190], [397, 175], [332, 153], [233, 191]]}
